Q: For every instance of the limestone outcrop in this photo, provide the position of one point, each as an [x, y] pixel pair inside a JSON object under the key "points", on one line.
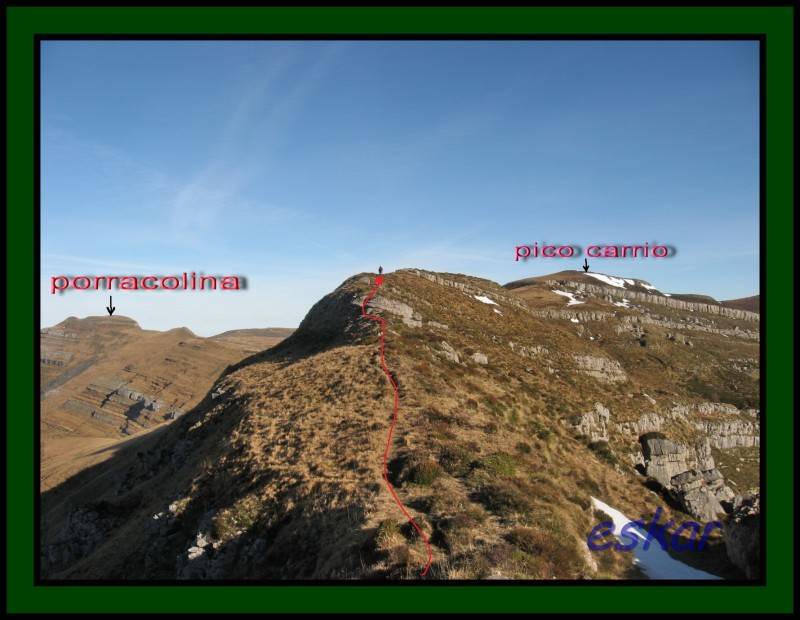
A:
{"points": [[707, 308], [687, 473], [593, 424], [603, 369]]}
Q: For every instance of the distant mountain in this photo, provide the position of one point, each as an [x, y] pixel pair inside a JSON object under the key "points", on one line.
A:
{"points": [[104, 378], [517, 406], [753, 304], [619, 291], [590, 277], [254, 340]]}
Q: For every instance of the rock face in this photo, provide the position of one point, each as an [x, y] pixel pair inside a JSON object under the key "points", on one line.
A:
{"points": [[526, 351], [712, 408], [702, 450], [480, 358], [151, 404], [731, 434], [634, 324], [723, 424], [743, 535], [449, 352], [603, 369], [647, 423], [569, 315], [657, 299], [404, 311], [84, 529], [665, 459], [700, 493], [335, 319], [594, 424], [687, 474]]}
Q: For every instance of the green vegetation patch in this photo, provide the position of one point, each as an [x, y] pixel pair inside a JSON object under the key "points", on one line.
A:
{"points": [[523, 448], [456, 460], [425, 472], [388, 533], [240, 517], [499, 464], [604, 452], [458, 530], [505, 498]]}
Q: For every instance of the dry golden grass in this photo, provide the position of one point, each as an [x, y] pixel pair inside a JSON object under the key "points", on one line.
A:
{"points": [[291, 458], [175, 367]]}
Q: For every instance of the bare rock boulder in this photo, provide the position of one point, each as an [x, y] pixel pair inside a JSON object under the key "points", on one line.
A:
{"points": [[743, 535]]}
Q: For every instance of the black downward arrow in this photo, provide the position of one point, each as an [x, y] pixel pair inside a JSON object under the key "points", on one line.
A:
{"points": [[109, 307], [585, 265]]}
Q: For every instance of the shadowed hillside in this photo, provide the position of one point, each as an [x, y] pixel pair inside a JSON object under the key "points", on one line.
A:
{"points": [[105, 378]]}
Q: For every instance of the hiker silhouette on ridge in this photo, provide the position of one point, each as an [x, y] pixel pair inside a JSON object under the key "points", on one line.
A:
{"points": [[380, 270]]}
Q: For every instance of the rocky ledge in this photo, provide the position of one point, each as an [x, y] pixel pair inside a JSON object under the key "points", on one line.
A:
{"points": [[686, 473], [743, 535]]}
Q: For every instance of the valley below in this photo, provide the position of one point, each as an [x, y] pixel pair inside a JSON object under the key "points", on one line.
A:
{"points": [[104, 380]]}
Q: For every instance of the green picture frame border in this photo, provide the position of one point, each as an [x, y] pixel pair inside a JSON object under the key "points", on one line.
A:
{"points": [[775, 23]]}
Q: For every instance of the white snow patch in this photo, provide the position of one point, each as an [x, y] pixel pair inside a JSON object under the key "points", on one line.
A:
{"points": [[625, 303], [484, 300], [631, 282], [656, 562], [666, 295], [613, 281], [647, 286], [498, 312], [571, 296], [575, 320]]}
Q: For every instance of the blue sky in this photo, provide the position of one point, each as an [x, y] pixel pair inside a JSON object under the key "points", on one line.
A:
{"points": [[298, 164]]}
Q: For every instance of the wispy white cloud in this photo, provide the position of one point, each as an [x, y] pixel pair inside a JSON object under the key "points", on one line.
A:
{"points": [[195, 207], [191, 212], [263, 109]]}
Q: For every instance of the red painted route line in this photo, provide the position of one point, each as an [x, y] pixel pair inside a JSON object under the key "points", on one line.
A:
{"points": [[387, 449]]}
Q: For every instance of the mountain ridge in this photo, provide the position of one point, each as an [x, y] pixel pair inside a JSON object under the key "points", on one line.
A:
{"points": [[626, 289], [750, 304], [104, 378], [513, 414]]}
